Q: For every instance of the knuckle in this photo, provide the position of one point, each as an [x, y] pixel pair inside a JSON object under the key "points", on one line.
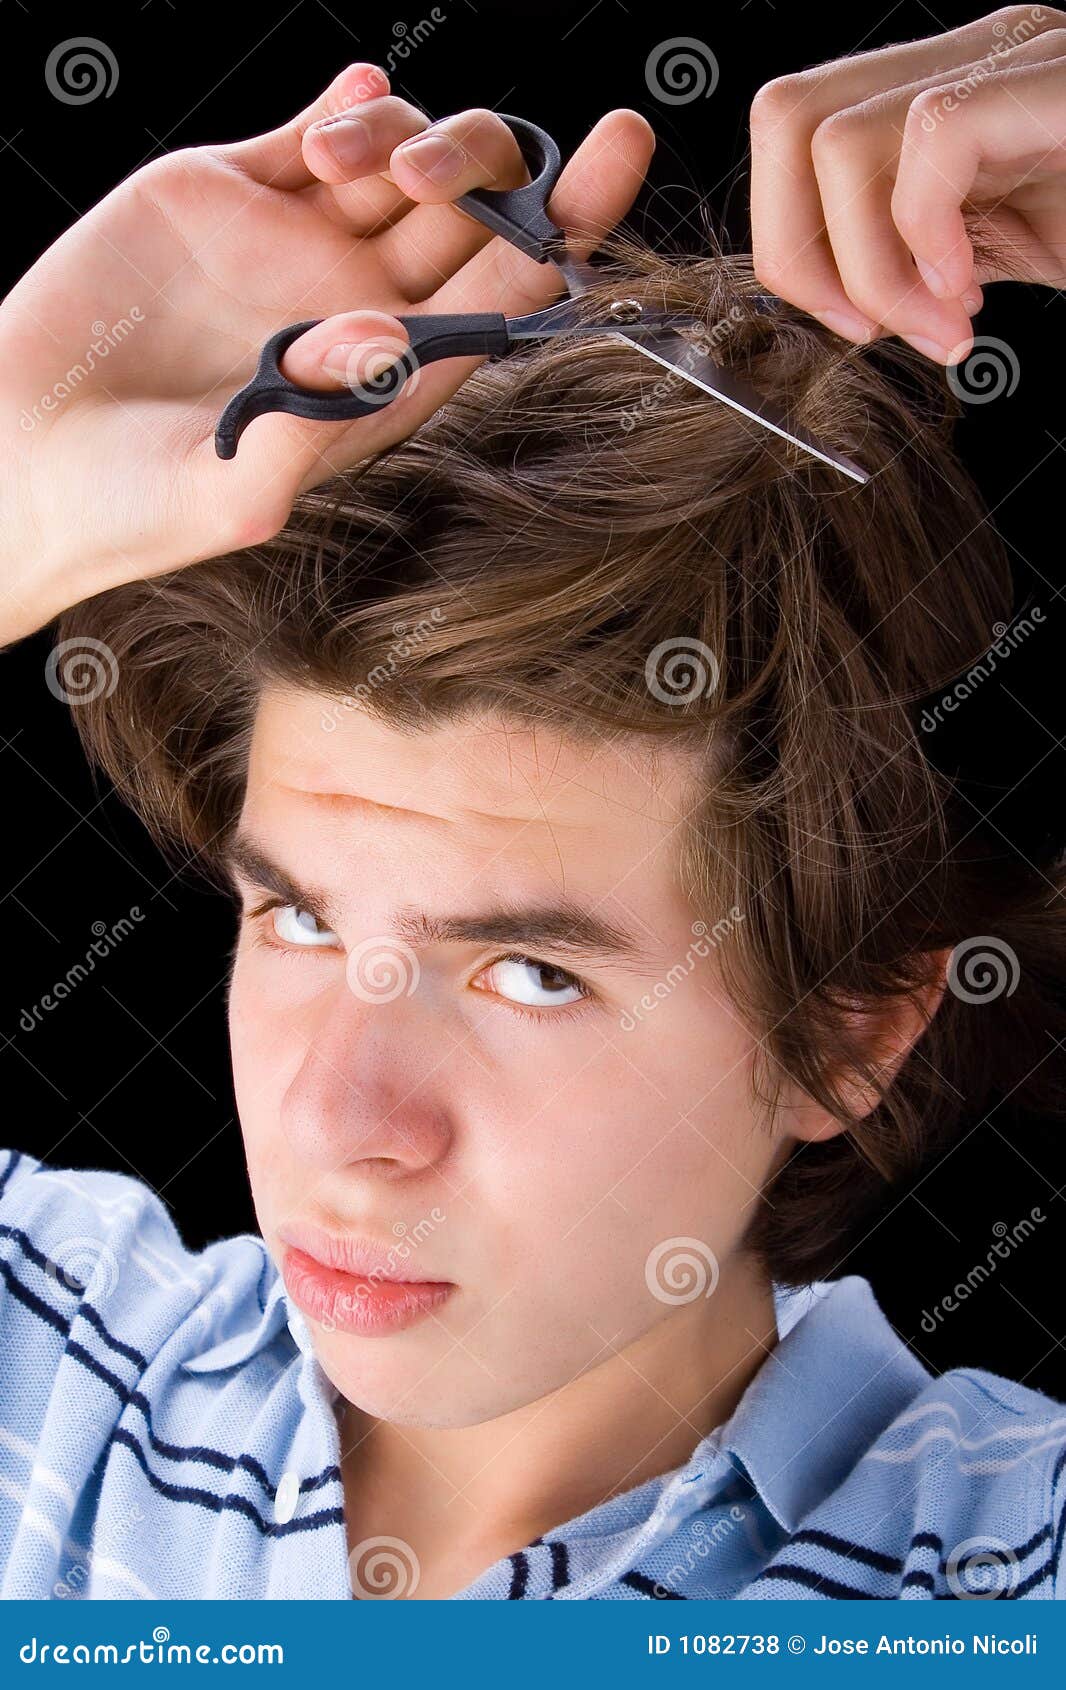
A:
{"points": [[835, 133], [490, 143], [171, 165], [480, 117], [1016, 17], [907, 213], [866, 300], [242, 527], [770, 270], [927, 108], [777, 100], [356, 84], [172, 180], [485, 130]]}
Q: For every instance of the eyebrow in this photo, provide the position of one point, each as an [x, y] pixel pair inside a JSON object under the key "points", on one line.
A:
{"points": [[561, 925]]}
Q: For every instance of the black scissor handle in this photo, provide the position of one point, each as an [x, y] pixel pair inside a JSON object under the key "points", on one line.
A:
{"points": [[520, 214], [474, 334]]}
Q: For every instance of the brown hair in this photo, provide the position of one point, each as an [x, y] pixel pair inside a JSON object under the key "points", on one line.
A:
{"points": [[578, 538]]}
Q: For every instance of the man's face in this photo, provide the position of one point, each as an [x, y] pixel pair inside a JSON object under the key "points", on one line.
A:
{"points": [[505, 1047]]}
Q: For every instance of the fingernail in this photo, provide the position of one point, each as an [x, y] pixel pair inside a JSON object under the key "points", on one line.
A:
{"points": [[972, 302], [337, 360], [851, 326], [931, 348], [436, 156], [361, 360], [347, 138]]}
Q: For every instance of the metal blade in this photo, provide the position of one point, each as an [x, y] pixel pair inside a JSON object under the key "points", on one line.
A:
{"points": [[675, 353]]}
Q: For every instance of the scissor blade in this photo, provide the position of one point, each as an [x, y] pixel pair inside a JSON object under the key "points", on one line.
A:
{"points": [[675, 353]]}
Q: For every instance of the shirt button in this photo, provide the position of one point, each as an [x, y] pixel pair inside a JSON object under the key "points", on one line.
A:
{"points": [[286, 1497]]}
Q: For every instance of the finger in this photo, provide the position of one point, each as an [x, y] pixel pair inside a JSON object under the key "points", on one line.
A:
{"points": [[471, 150], [1012, 122], [360, 141], [790, 245], [276, 158], [593, 194], [474, 149], [345, 351], [853, 157], [349, 155], [869, 208], [602, 180], [283, 455]]}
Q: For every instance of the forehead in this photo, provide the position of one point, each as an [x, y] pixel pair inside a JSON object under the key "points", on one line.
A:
{"points": [[478, 785]]}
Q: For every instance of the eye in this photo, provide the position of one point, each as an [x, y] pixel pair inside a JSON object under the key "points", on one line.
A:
{"points": [[296, 926], [524, 980]]}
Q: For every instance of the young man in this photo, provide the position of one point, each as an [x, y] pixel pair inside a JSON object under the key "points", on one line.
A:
{"points": [[601, 926]]}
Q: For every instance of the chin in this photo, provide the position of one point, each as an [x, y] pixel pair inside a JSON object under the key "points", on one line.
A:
{"points": [[415, 1393]]}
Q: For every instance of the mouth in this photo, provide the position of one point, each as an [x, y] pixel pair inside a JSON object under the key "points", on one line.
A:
{"points": [[354, 1285]]}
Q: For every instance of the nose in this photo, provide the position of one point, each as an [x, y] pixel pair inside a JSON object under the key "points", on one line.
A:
{"points": [[371, 1087]]}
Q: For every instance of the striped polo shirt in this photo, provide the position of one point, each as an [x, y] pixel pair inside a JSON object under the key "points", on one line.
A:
{"points": [[166, 1431]]}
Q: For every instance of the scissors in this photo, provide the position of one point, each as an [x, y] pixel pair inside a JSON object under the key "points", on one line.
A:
{"points": [[520, 215]]}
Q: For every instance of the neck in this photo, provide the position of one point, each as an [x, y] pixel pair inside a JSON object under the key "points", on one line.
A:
{"points": [[638, 1413]]}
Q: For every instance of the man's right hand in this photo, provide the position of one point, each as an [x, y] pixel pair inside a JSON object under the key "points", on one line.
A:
{"points": [[108, 470]]}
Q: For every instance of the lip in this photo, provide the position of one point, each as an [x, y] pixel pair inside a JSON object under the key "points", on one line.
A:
{"points": [[351, 1255], [352, 1285]]}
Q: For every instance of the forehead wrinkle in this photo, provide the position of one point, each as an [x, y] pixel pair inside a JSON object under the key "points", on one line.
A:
{"points": [[358, 801]]}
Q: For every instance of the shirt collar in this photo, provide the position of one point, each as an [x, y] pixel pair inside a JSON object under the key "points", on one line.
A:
{"points": [[278, 1311], [837, 1375]]}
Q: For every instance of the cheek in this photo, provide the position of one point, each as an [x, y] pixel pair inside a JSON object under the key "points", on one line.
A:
{"points": [[621, 1155], [262, 1045]]}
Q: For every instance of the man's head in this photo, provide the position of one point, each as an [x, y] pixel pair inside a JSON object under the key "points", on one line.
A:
{"points": [[597, 889], [447, 1049]]}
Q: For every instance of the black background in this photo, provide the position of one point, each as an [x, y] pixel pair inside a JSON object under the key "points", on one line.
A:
{"points": [[132, 1071]]}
